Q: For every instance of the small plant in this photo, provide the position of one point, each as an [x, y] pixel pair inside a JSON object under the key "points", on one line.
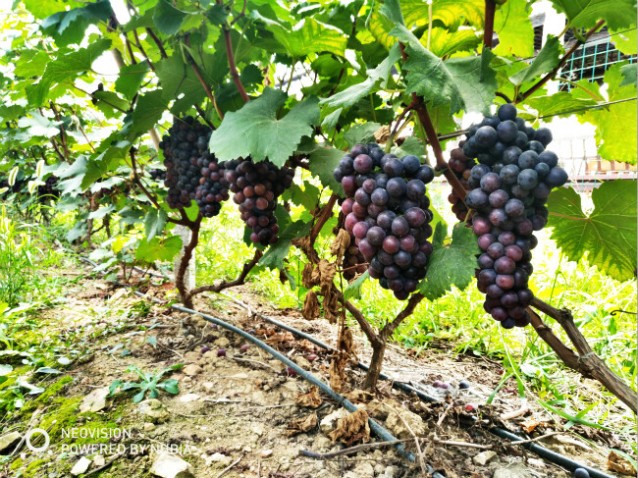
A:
{"points": [[148, 382], [16, 260]]}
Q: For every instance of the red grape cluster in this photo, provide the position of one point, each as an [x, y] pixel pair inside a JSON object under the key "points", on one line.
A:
{"points": [[461, 166], [387, 213], [213, 187], [256, 187], [509, 189], [353, 261]]}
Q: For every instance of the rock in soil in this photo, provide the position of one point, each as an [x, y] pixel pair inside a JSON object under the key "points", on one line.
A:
{"points": [[484, 457], [95, 401], [405, 424], [167, 465], [516, 470], [81, 466], [329, 422], [153, 409], [8, 440]]}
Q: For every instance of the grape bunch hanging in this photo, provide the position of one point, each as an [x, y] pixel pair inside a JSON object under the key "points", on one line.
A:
{"points": [[192, 172], [256, 187], [388, 214], [508, 190]]}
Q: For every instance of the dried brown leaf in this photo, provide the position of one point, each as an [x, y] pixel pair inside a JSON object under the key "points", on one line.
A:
{"points": [[302, 424], [340, 243], [311, 308], [310, 399], [617, 463], [310, 276], [327, 271], [337, 371], [382, 134], [352, 429], [331, 308]]}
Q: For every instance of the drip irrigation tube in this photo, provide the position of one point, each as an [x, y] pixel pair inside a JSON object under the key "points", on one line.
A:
{"points": [[541, 451], [343, 401], [381, 432]]}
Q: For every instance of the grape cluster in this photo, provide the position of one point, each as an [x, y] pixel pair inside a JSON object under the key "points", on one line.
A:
{"points": [[157, 174], [213, 187], [509, 188], [461, 166], [256, 187], [49, 190], [387, 213]]}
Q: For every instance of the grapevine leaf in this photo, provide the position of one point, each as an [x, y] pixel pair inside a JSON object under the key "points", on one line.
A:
{"points": [[614, 142], [353, 291], [255, 130], [607, 235], [376, 76], [130, 79], [585, 13], [361, 133], [444, 42], [559, 104], [69, 26], [451, 265], [148, 111], [38, 125], [154, 223], [309, 36], [547, 59], [626, 41], [629, 74], [40, 9], [157, 249], [167, 18], [277, 253], [323, 161], [514, 29], [78, 61], [450, 12], [179, 81]]}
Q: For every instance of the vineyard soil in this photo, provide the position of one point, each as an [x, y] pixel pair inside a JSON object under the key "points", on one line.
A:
{"points": [[238, 410]]}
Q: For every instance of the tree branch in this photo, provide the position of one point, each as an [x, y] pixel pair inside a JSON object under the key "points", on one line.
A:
{"points": [[390, 327], [488, 32], [138, 181], [585, 361], [187, 298], [241, 278], [157, 41], [139, 46], [202, 81], [561, 63], [231, 61]]}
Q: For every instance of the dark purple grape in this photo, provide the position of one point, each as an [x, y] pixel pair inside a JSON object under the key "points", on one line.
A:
{"points": [[528, 179], [480, 225], [505, 265], [363, 164], [514, 208], [485, 241], [507, 131], [375, 236], [485, 137], [496, 199], [527, 160], [549, 158], [495, 250], [400, 226], [490, 182], [511, 155], [394, 167], [425, 174], [396, 187], [543, 135], [415, 217], [507, 112], [556, 177], [411, 164], [476, 199], [415, 189]]}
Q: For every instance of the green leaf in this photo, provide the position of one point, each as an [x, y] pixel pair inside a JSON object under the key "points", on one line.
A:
{"points": [[169, 386], [514, 28], [69, 26], [130, 78], [309, 36], [444, 42], [152, 341], [48, 370], [5, 369], [158, 249], [607, 235], [255, 131], [179, 81], [154, 222], [559, 104], [148, 111], [546, 60], [361, 133], [353, 291], [585, 13], [616, 123], [626, 41], [138, 397], [111, 102], [376, 77], [451, 265], [452, 13], [38, 125], [65, 66], [167, 18], [629, 74], [323, 161]]}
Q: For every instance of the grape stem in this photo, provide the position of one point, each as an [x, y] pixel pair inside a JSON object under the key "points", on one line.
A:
{"points": [[584, 360], [231, 61], [523, 96], [488, 32]]}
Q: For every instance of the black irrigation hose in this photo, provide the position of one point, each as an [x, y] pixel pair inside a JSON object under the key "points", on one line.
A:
{"points": [[343, 401], [381, 432], [541, 451]]}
